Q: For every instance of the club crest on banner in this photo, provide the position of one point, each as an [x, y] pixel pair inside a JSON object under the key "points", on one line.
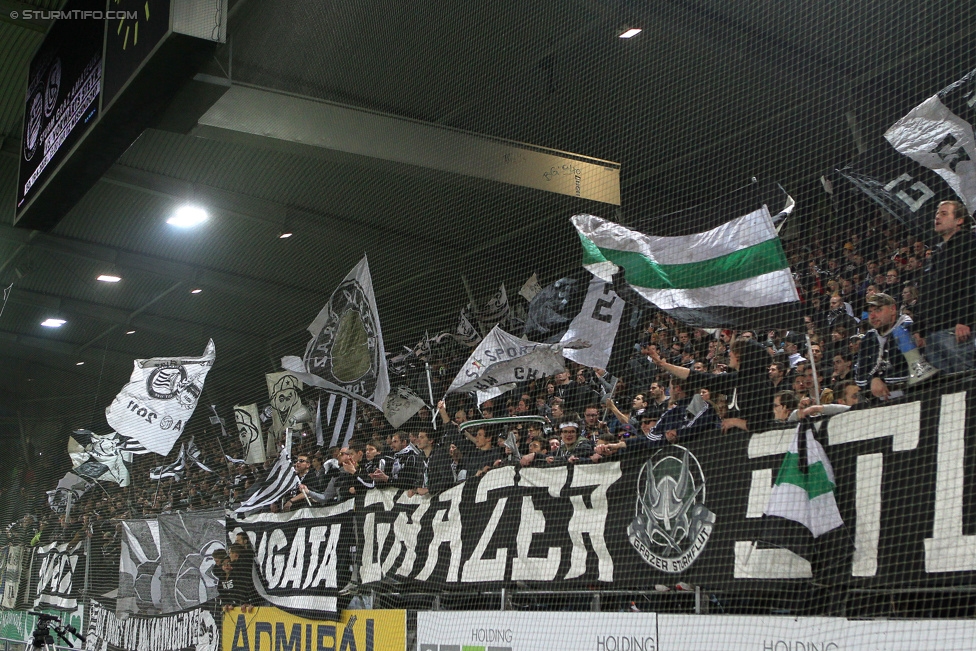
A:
{"points": [[159, 399], [671, 526]]}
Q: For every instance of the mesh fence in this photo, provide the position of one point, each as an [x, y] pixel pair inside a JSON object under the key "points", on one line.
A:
{"points": [[721, 373]]}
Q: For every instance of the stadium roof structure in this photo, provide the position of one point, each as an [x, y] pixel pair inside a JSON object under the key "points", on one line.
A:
{"points": [[708, 95]]}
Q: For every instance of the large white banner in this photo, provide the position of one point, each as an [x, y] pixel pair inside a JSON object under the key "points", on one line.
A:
{"points": [[159, 399], [502, 359], [534, 631]]}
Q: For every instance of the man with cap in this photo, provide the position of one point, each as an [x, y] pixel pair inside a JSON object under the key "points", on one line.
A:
{"points": [[887, 356], [947, 307], [791, 346]]}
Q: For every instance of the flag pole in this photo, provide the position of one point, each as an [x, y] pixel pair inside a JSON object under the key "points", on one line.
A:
{"points": [[430, 393], [813, 365], [474, 305]]}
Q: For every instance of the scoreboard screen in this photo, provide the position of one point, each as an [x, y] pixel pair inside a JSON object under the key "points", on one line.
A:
{"points": [[63, 88]]}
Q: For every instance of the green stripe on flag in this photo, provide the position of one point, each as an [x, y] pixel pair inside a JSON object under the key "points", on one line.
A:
{"points": [[765, 257], [815, 481]]}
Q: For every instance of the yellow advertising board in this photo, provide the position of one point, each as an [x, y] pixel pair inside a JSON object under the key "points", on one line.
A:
{"points": [[271, 629]]}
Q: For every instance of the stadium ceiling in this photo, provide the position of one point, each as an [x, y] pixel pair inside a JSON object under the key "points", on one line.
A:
{"points": [[710, 94]]}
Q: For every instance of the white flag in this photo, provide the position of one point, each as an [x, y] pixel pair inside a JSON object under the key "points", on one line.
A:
{"points": [[597, 324], [346, 351], [249, 431], [502, 358], [496, 309], [401, 405], [159, 399]]}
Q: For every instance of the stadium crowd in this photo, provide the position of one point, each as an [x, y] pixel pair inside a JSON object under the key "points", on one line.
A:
{"points": [[882, 310]]}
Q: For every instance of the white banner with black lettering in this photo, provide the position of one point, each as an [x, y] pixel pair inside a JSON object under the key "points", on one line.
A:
{"points": [[302, 558], [195, 629], [596, 324], [502, 358], [58, 576]]}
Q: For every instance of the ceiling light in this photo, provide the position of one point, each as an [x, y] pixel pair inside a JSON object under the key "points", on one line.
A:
{"points": [[79, 363], [630, 32], [196, 291], [285, 236], [105, 278], [130, 332], [188, 217], [53, 323]]}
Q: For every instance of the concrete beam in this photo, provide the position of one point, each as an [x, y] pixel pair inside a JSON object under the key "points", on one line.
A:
{"points": [[265, 119]]}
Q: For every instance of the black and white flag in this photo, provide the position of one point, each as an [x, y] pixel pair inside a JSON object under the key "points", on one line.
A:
{"points": [[68, 491], [928, 157], [166, 564], [302, 558], [502, 359], [596, 324], [938, 134], [58, 575], [175, 470], [280, 481], [466, 334], [159, 399], [100, 457], [346, 352], [401, 405], [249, 431], [496, 309], [335, 421], [284, 389]]}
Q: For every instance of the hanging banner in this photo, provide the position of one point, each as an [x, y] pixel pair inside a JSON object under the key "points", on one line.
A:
{"points": [[166, 564], [58, 576], [302, 558], [271, 628], [11, 571], [195, 629]]}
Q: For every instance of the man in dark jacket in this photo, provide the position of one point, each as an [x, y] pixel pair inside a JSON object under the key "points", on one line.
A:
{"points": [[948, 294], [435, 462]]}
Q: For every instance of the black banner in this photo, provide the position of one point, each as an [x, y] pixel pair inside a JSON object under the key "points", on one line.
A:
{"points": [[302, 559], [58, 576], [693, 513]]}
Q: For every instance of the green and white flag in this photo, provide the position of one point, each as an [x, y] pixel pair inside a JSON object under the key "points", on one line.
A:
{"points": [[804, 488], [735, 275]]}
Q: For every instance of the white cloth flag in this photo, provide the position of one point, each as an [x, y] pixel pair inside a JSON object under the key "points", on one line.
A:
{"points": [[401, 405], [249, 431], [939, 139], [596, 324], [502, 359], [159, 399], [531, 288], [346, 352]]}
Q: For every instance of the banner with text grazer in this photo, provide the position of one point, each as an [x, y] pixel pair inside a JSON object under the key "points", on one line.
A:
{"points": [[693, 513], [271, 628], [302, 558]]}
